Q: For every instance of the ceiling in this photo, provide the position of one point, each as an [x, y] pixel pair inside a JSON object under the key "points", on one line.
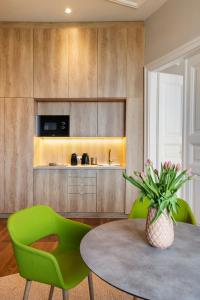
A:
{"points": [[82, 10]]}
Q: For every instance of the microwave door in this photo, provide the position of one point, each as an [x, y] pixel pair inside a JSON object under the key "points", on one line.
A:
{"points": [[55, 126]]}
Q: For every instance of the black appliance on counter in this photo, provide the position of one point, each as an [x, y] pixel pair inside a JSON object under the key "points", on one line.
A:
{"points": [[74, 159], [85, 159], [55, 126]]}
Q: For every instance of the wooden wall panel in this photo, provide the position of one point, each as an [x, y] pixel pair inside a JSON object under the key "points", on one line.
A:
{"points": [[82, 62], [19, 132], [50, 63], [112, 47], [16, 62], [51, 188], [1, 155], [134, 107]]}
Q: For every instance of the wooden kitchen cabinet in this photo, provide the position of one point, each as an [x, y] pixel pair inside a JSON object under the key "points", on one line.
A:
{"points": [[16, 62], [83, 62], [50, 63], [53, 108], [110, 191], [82, 191], [51, 188], [2, 144], [18, 153], [83, 119], [112, 56], [111, 119]]}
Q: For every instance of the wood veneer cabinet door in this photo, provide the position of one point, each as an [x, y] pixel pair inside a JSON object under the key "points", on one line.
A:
{"points": [[53, 108], [110, 191], [83, 119], [50, 188], [16, 62], [1, 155], [50, 63], [19, 132], [82, 62], [111, 119], [112, 53]]}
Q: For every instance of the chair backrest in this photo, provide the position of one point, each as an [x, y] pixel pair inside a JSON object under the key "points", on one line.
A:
{"points": [[32, 224], [140, 210]]}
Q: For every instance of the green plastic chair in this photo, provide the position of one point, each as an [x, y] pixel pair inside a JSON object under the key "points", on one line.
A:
{"points": [[185, 215], [64, 267]]}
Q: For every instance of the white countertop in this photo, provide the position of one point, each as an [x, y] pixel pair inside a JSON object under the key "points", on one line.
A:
{"points": [[78, 167]]}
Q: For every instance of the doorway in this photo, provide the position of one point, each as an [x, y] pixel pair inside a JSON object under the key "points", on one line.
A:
{"points": [[172, 118]]}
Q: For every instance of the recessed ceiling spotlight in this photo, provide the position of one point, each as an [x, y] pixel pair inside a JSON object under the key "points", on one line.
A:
{"points": [[68, 10]]}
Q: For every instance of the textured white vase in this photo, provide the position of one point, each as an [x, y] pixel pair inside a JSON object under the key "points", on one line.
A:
{"points": [[161, 233]]}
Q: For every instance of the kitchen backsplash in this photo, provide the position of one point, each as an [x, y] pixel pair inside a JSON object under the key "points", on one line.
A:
{"points": [[59, 150]]}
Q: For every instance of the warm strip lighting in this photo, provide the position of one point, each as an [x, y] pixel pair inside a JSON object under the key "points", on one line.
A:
{"points": [[82, 140]]}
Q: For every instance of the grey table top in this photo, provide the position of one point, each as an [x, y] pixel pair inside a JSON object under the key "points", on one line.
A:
{"points": [[119, 254]]}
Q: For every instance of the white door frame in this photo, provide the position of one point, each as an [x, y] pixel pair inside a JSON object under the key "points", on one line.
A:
{"points": [[151, 73], [156, 66]]}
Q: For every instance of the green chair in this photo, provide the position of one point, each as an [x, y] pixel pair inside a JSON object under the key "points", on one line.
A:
{"points": [[64, 267], [185, 215]]}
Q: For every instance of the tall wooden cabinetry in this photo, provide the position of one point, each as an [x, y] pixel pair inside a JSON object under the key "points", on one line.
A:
{"points": [[91, 62], [50, 63], [2, 144], [16, 137], [112, 53], [16, 62], [83, 63]]}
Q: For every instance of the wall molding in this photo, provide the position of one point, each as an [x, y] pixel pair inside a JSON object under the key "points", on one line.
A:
{"points": [[180, 52]]}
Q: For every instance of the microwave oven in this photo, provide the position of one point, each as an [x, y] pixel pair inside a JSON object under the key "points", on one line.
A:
{"points": [[55, 126]]}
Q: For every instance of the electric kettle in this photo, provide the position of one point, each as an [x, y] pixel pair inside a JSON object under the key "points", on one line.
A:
{"points": [[85, 159]]}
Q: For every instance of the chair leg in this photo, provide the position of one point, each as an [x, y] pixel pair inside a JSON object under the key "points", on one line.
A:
{"points": [[51, 293], [65, 295], [27, 289], [91, 288]]}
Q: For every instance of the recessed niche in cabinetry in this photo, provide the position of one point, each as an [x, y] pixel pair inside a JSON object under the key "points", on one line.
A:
{"points": [[59, 150]]}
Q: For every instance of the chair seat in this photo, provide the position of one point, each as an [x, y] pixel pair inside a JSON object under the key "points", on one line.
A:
{"points": [[72, 266]]}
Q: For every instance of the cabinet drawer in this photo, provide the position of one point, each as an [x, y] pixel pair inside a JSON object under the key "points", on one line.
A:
{"points": [[79, 189], [82, 181], [82, 203], [82, 173]]}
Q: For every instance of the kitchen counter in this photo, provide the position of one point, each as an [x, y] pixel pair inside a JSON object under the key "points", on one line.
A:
{"points": [[81, 167]]}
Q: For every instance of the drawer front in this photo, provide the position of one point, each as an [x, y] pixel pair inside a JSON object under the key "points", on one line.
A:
{"points": [[87, 189], [82, 181], [82, 173], [82, 203]]}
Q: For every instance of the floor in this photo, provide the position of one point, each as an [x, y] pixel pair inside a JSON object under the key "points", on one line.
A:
{"points": [[8, 263]]}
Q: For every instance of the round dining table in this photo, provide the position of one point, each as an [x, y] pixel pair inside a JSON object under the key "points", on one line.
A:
{"points": [[118, 253]]}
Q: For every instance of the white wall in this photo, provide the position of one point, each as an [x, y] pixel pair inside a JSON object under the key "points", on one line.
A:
{"points": [[174, 24]]}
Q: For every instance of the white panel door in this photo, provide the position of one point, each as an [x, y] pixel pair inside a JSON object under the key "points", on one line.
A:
{"points": [[192, 138], [170, 118]]}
